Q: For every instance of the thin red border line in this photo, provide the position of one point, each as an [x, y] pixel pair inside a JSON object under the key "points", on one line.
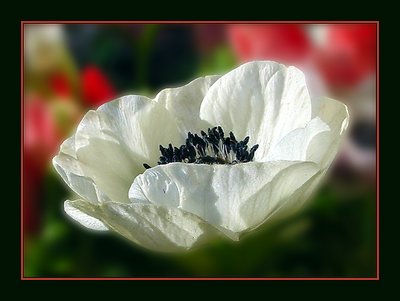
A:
{"points": [[22, 150], [204, 22], [199, 278], [199, 22], [377, 156]]}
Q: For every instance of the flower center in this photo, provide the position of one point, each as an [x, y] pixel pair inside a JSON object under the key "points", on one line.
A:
{"points": [[211, 148]]}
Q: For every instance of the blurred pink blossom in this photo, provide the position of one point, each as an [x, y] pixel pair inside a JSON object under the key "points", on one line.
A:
{"points": [[343, 54], [41, 132], [346, 54], [96, 88], [41, 140], [287, 43]]}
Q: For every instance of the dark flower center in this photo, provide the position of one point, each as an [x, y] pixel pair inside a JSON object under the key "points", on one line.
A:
{"points": [[211, 148]]}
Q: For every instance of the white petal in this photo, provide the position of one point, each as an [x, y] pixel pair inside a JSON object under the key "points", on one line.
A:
{"points": [[305, 193], [264, 100], [332, 112], [221, 194], [184, 103], [153, 227], [324, 146], [111, 144], [68, 147], [76, 210], [287, 192], [295, 144], [68, 166]]}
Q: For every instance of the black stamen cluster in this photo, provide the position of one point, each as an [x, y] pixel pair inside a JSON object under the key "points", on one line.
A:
{"points": [[211, 148]]}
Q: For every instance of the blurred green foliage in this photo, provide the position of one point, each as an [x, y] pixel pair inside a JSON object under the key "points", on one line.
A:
{"points": [[333, 236]]}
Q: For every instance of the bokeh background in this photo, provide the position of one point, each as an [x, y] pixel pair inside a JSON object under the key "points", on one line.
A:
{"points": [[71, 68]]}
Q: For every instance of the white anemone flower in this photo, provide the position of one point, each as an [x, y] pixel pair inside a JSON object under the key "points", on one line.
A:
{"points": [[176, 206]]}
